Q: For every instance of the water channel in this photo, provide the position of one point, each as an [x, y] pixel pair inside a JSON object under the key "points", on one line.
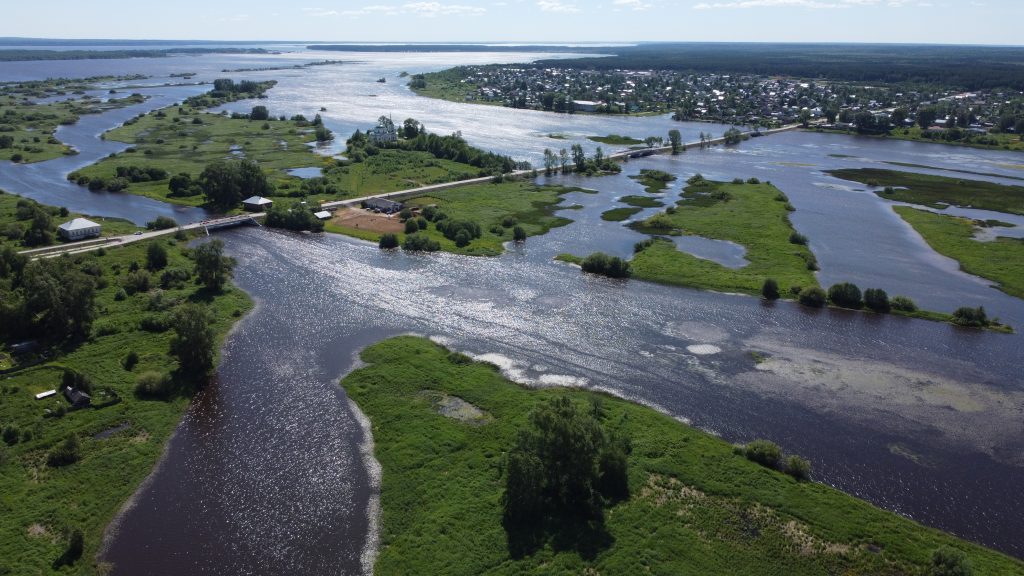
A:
{"points": [[266, 473]]}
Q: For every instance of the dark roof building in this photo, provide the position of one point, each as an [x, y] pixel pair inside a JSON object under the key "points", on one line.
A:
{"points": [[76, 397], [383, 205]]}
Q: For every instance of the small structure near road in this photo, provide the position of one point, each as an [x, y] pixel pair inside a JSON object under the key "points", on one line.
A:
{"points": [[76, 397], [383, 205], [322, 215], [79, 229], [257, 204]]}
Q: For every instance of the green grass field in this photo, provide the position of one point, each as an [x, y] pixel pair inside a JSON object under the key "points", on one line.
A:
{"points": [[937, 191], [641, 202], [392, 170], [753, 217], [526, 204], [11, 227], [695, 507], [39, 503], [1003, 141], [1001, 260]]}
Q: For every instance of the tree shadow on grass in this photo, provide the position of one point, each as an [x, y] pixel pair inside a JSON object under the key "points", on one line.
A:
{"points": [[586, 536]]}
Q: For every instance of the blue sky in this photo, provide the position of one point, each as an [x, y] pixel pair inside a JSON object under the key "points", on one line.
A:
{"points": [[930, 21]]}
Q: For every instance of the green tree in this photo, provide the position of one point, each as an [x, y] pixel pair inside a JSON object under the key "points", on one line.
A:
{"points": [[40, 231], [812, 296], [805, 117], [59, 299], [926, 117], [212, 267], [518, 234], [550, 162], [193, 341], [411, 226], [563, 160], [845, 295], [770, 289], [156, 256], [259, 113], [675, 138], [798, 467], [388, 241], [764, 452], [579, 158], [876, 299], [226, 182]]}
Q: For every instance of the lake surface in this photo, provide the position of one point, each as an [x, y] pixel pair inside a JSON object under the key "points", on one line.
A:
{"points": [[267, 473]]}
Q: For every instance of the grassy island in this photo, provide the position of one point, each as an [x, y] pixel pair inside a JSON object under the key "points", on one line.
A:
{"points": [[443, 427], [616, 140], [654, 181], [1000, 260], [28, 129], [752, 215], [937, 191], [103, 322]]}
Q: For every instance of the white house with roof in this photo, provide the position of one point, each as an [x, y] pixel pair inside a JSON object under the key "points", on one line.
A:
{"points": [[79, 229], [383, 133], [257, 203]]}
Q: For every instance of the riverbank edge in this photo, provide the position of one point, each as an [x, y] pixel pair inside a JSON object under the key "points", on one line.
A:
{"points": [[370, 387], [908, 138]]}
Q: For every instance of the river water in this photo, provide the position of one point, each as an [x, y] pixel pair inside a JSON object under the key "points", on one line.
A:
{"points": [[266, 473]]}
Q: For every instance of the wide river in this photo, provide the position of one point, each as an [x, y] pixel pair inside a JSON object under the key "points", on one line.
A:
{"points": [[268, 472]]}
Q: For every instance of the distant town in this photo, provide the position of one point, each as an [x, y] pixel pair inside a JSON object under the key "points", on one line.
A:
{"points": [[737, 99]]}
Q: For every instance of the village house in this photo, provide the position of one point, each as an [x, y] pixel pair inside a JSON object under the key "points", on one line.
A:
{"points": [[76, 397], [79, 229], [383, 205]]}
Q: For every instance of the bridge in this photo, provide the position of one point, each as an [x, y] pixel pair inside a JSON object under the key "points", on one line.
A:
{"points": [[253, 218]]}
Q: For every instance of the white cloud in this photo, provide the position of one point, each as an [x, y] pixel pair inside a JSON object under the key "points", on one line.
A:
{"points": [[631, 5], [431, 9], [820, 4], [557, 6]]}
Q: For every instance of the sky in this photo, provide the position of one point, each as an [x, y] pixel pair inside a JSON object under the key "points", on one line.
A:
{"points": [[913, 21]]}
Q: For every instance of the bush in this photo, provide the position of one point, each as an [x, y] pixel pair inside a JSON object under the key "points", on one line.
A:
{"points": [[605, 265], [174, 278], [422, 223], [949, 562], [411, 227], [388, 241], [161, 223], [903, 304], [420, 243], [518, 234], [156, 256], [845, 295], [152, 384], [508, 222], [797, 238], [66, 454], [137, 281], [462, 238], [451, 228], [877, 300], [764, 452], [967, 316], [812, 296], [770, 289], [130, 361], [798, 468]]}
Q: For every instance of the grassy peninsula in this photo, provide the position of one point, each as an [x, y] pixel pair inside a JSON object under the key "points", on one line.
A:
{"points": [[1000, 260], [754, 215], [65, 471], [442, 426], [496, 208], [937, 191]]}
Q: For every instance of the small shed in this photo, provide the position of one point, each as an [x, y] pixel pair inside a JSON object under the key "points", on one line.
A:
{"points": [[46, 394], [76, 397], [257, 204], [79, 229], [383, 205], [322, 215]]}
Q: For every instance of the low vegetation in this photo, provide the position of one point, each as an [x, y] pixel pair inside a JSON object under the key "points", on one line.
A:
{"points": [[937, 191], [133, 328], [691, 503], [752, 215], [619, 214], [654, 181], [616, 140], [1000, 260]]}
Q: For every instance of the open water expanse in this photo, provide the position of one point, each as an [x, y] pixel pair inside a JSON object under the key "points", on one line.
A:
{"points": [[268, 472]]}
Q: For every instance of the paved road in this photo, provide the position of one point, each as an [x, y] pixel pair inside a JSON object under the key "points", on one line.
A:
{"points": [[114, 241]]}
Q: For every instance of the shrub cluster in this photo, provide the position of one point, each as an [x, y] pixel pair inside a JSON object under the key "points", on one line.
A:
{"points": [[420, 243], [605, 265], [769, 455]]}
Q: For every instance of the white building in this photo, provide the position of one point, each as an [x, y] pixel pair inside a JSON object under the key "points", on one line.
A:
{"points": [[585, 105], [257, 203], [383, 134], [79, 229]]}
